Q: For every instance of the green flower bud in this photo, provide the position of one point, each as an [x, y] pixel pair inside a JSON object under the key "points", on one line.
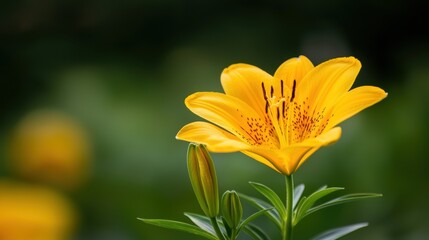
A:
{"points": [[231, 208], [203, 179]]}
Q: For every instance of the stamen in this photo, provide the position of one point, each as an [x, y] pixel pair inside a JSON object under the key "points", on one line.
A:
{"points": [[293, 90], [264, 93], [284, 109]]}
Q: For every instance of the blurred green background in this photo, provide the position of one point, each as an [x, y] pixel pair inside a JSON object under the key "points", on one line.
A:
{"points": [[123, 68]]}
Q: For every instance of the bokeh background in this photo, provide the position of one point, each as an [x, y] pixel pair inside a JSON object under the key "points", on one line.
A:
{"points": [[112, 76]]}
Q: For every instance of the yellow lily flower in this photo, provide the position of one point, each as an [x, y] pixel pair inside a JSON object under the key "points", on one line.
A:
{"points": [[279, 120]]}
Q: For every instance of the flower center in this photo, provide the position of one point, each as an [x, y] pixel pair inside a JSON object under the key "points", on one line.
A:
{"points": [[290, 118]]}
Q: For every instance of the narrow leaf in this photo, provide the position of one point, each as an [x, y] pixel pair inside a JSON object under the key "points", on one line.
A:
{"points": [[336, 233], [272, 214], [272, 197], [179, 226], [295, 212], [255, 232], [297, 193], [343, 199], [202, 222], [310, 201], [253, 217]]}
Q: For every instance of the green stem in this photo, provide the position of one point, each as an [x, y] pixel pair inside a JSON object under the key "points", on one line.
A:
{"points": [[216, 228], [234, 234], [287, 227]]}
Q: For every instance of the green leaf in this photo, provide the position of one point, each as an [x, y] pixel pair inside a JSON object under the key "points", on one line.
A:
{"points": [[295, 212], [307, 203], [202, 222], [253, 217], [255, 232], [272, 197], [181, 226], [343, 199], [297, 193], [336, 233], [272, 214]]}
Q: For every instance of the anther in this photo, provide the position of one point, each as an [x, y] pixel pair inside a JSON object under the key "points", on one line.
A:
{"points": [[293, 90], [264, 93]]}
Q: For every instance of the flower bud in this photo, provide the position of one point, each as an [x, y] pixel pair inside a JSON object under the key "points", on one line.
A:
{"points": [[203, 179], [231, 208]]}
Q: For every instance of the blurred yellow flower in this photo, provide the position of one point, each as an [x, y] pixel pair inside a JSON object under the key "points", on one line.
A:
{"points": [[50, 147], [279, 120], [36, 213]]}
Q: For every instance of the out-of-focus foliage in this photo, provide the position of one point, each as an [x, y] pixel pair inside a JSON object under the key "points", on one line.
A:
{"points": [[123, 68]]}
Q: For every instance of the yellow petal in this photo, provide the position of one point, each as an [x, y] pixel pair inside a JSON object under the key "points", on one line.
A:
{"points": [[273, 158], [294, 69], [288, 160], [225, 111], [323, 139], [314, 144], [355, 101], [328, 81], [306, 156], [299, 153], [284, 161], [260, 159], [245, 82], [215, 138]]}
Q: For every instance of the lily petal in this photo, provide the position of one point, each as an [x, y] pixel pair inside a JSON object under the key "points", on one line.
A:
{"points": [[323, 139], [284, 161], [215, 138], [306, 156], [328, 81], [244, 81], [261, 159], [229, 113], [294, 69], [355, 101], [300, 152]]}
